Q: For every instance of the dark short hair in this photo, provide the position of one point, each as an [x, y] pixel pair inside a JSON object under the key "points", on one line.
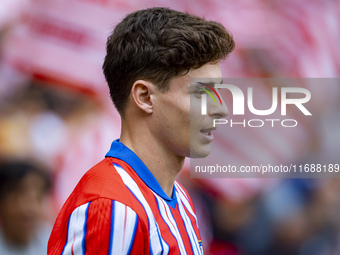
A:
{"points": [[12, 171], [158, 44]]}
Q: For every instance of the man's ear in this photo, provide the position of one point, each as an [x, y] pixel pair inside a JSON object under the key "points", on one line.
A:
{"points": [[142, 95]]}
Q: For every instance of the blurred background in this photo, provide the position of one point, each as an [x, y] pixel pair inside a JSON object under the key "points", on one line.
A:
{"points": [[57, 120]]}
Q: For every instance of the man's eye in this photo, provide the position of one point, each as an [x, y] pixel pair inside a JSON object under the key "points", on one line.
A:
{"points": [[199, 92]]}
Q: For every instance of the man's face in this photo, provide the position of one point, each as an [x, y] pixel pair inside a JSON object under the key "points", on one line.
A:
{"points": [[21, 210], [180, 124]]}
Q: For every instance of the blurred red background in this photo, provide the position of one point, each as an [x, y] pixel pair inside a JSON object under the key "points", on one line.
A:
{"points": [[55, 107]]}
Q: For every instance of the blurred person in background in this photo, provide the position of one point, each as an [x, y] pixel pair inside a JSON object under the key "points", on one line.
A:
{"points": [[23, 227], [307, 223]]}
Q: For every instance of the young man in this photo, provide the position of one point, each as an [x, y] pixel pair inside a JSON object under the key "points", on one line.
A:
{"points": [[130, 203]]}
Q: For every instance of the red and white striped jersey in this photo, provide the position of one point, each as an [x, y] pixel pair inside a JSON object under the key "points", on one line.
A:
{"points": [[118, 207]]}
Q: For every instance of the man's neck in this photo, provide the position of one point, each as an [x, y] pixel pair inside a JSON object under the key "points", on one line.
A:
{"points": [[161, 162]]}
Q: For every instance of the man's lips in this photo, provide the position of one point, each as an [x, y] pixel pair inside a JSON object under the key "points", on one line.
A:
{"points": [[207, 132]]}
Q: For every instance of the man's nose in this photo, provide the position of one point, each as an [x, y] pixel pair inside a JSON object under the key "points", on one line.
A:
{"points": [[219, 109]]}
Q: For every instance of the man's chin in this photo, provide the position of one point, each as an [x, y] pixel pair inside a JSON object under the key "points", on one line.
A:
{"points": [[200, 153]]}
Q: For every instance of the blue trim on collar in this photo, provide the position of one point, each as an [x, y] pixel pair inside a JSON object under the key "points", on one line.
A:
{"points": [[120, 151]]}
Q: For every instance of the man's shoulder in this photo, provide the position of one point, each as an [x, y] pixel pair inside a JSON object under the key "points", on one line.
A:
{"points": [[101, 184], [99, 198], [102, 181]]}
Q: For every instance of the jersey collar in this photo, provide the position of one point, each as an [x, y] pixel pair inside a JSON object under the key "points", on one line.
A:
{"points": [[120, 151]]}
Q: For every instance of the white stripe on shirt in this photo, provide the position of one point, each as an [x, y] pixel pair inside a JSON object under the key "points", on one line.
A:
{"points": [[170, 221], [157, 243], [188, 225], [124, 221], [76, 231]]}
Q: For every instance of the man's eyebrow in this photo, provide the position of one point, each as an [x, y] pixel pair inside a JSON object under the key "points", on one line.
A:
{"points": [[211, 83]]}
